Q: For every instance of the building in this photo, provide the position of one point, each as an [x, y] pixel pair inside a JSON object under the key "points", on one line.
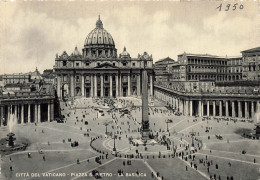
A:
{"points": [[49, 76], [251, 64], [98, 71], [207, 85], [22, 78], [161, 69]]}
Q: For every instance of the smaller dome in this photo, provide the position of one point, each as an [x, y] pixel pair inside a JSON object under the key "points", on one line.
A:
{"points": [[124, 54], [76, 52]]}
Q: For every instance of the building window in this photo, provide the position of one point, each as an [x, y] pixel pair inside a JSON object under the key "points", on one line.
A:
{"points": [[87, 63], [106, 78], [114, 78], [77, 64], [77, 78], [124, 64], [64, 63], [98, 64], [133, 64], [114, 64]]}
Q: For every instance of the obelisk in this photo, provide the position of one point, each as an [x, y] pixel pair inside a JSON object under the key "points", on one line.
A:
{"points": [[145, 120]]}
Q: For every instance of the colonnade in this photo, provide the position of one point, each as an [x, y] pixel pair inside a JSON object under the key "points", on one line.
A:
{"points": [[207, 106], [26, 113]]}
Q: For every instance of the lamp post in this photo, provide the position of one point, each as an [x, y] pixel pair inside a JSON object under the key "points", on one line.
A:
{"points": [[168, 121]]}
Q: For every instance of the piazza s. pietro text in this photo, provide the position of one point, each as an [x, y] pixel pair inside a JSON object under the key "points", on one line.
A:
{"points": [[102, 112]]}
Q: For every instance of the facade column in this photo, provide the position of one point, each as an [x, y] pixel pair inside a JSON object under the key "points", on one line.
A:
{"points": [[72, 85], [9, 109], [95, 85], [199, 109], [207, 108], [102, 85], [83, 85], [191, 108], [35, 113], [246, 109], [2, 116], [239, 109], [92, 86], [22, 114], [227, 113], [49, 112], [129, 85], [39, 113], [59, 86], [151, 85], [220, 108], [252, 110], [111, 85], [233, 109], [29, 113], [138, 85], [117, 85]]}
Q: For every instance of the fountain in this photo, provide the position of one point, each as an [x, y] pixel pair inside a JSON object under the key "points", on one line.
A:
{"points": [[7, 145]]}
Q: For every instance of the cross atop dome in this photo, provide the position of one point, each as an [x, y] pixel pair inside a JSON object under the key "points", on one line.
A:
{"points": [[99, 23]]}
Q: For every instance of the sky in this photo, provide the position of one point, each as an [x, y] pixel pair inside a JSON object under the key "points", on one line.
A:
{"points": [[32, 33]]}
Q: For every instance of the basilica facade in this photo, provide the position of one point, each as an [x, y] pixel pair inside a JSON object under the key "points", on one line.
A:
{"points": [[98, 71]]}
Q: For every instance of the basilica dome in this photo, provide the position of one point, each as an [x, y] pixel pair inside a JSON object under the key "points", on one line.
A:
{"points": [[99, 36], [99, 43]]}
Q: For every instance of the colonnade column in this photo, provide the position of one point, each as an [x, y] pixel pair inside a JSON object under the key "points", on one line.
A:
{"points": [[15, 111], [239, 109], [190, 107], [117, 85], [246, 109], [252, 109], [233, 109], [29, 113], [35, 113], [22, 114], [49, 112], [120, 84], [83, 85], [72, 85], [186, 107], [2, 116], [9, 109], [207, 108], [227, 113], [58, 86], [138, 85], [39, 112], [151, 85], [111, 85], [52, 111], [129, 85], [220, 108], [102, 85], [214, 108], [95, 85], [202, 108], [92, 86], [199, 109]]}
